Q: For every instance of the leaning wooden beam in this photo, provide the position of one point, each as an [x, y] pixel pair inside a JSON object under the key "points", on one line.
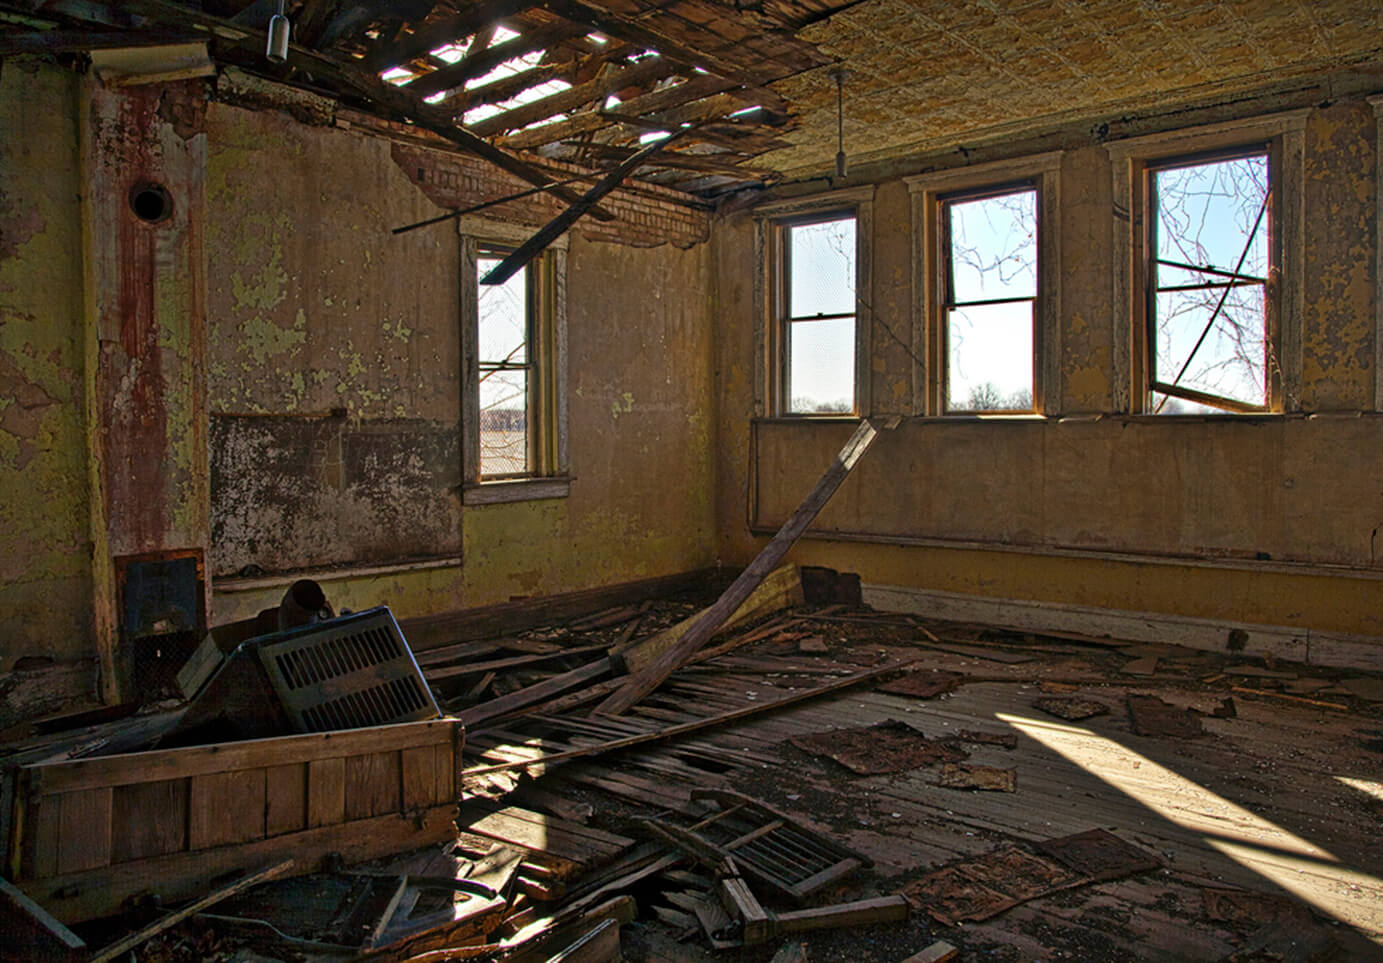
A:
{"points": [[780, 589], [644, 682], [534, 246], [122, 947], [724, 718]]}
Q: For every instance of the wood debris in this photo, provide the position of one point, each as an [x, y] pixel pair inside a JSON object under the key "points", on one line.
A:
{"points": [[890, 746]]}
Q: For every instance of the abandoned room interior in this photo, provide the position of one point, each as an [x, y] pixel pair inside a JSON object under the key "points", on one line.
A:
{"points": [[748, 480]]}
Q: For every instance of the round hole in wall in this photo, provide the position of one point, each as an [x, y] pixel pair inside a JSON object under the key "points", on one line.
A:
{"points": [[151, 203]]}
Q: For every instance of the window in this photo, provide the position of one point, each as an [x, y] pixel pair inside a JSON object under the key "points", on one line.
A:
{"points": [[505, 323], [1208, 338], [1209, 247], [514, 406], [989, 310], [813, 283], [818, 332], [986, 338]]}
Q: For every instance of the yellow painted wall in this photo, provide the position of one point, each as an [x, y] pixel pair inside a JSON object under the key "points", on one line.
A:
{"points": [[45, 555], [1274, 520]]}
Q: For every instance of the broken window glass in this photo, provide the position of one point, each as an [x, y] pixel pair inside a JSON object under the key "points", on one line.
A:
{"points": [[1209, 345], [819, 331], [991, 299], [503, 353]]}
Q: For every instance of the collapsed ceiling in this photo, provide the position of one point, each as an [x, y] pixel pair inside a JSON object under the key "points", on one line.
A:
{"points": [[590, 82], [583, 81]]}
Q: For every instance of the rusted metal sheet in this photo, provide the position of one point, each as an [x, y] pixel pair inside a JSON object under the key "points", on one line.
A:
{"points": [[890, 746]]}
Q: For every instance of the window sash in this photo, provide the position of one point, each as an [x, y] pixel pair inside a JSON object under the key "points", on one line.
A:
{"points": [[949, 303], [532, 418], [786, 319]]}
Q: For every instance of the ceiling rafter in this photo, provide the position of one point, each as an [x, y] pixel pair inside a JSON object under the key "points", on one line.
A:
{"points": [[483, 60]]}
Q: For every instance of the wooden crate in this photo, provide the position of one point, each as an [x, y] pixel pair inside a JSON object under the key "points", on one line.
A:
{"points": [[87, 834]]}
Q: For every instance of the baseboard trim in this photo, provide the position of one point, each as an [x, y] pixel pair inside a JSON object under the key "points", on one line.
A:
{"points": [[1310, 646]]}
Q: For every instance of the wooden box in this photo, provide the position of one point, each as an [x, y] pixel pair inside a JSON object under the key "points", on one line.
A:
{"points": [[88, 834]]}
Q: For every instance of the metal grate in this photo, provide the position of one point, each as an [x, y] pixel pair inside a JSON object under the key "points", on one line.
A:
{"points": [[347, 673]]}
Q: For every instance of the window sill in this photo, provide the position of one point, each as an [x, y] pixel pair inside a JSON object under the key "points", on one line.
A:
{"points": [[515, 490], [275, 580]]}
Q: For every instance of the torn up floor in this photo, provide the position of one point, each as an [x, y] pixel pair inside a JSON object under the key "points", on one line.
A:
{"points": [[925, 788]]}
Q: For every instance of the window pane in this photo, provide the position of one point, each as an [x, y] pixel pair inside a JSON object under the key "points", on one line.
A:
{"points": [[821, 261], [1232, 360], [1205, 214], [1212, 214], [503, 311], [503, 422], [821, 366], [994, 247], [990, 358]]}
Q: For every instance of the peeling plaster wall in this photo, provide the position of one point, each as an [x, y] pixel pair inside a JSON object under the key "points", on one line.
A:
{"points": [[333, 352], [334, 369], [45, 553], [1260, 519]]}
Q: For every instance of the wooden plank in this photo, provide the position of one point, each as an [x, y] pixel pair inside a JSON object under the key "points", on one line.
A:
{"points": [[427, 633], [326, 792], [31, 933], [120, 948], [40, 856], [148, 819], [652, 676], [90, 894], [135, 767], [419, 777], [84, 840], [373, 785], [708, 722], [285, 799], [225, 808], [450, 671], [780, 589], [864, 912], [539, 692]]}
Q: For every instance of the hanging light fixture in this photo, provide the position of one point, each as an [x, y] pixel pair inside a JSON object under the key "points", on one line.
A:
{"points": [[279, 28], [839, 74]]}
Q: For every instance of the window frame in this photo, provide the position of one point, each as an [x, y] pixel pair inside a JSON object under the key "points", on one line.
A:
{"points": [[930, 193], [1133, 161], [771, 284], [547, 366]]}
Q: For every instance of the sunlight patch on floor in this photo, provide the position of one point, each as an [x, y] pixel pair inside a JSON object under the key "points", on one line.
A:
{"points": [[1285, 859]]}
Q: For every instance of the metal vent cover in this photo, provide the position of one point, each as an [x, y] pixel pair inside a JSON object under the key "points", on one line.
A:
{"points": [[347, 673]]}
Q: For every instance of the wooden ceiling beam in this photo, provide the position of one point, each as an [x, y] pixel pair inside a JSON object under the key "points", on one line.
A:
{"points": [[483, 61], [680, 160], [498, 91], [610, 80], [711, 62], [439, 33], [594, 120]]}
